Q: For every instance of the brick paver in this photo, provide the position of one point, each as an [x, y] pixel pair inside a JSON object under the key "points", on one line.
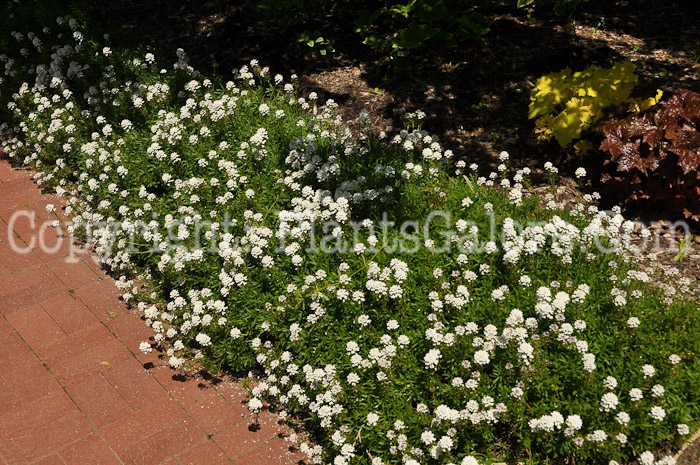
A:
{"points": [[74, 389]]}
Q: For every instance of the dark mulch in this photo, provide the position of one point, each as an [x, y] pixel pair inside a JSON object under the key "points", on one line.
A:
{"points": [[691, 455]]}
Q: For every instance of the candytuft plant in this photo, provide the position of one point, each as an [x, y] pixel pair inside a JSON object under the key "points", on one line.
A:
{"points": [[404, 314]]}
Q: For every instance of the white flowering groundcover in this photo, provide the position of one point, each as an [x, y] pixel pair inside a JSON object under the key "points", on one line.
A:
{"points": [[406, 313]]}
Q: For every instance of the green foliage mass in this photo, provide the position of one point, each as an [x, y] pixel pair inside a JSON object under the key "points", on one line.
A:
{"points": [[560, 6], [394, 28], [481, 347]]}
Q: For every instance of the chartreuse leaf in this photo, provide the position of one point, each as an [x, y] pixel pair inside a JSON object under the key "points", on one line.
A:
{"points": [[574, 101]]}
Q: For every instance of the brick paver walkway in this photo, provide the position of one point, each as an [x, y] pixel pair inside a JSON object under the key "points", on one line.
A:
{"points": [[74, 388]]}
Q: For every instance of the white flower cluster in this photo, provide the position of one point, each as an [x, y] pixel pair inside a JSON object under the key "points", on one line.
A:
{"points": [[460, 342]]}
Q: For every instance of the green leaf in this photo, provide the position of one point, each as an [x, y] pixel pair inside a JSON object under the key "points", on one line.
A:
{"points": [[436, 12], [375, 42], [403, 10], [366, 18], [473, 25], [414, 35], [444, 36], [683, 249], [559, 8]]}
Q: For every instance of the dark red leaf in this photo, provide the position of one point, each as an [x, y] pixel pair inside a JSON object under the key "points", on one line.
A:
{"points": [[641, 143]]}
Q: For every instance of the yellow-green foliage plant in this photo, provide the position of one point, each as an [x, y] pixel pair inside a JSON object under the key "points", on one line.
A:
{"points": [[567, 103]]}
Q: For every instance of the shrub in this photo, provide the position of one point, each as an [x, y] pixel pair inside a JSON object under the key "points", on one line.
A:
{"points": [[500, 329], [388, 27], [397, 30], [567, 104], [659, 150], [560, 6]]}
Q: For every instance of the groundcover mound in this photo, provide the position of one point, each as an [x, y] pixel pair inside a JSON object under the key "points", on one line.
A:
{"points": [[402, 307]]}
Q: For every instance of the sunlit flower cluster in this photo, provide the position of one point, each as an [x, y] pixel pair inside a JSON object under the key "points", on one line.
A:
{"points": [[257, 220]]}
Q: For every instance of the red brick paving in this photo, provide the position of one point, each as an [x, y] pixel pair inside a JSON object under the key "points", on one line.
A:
{"points": [[162, 445], [8, 399], [91, 449], [98, 400], [36, 326], [245, 436], [35, 414], [135, 385], [72, 345], [69, 313], [92, 361], [52, 459], [207, 454], [46, 439], [73, 274], [29, 286], [276, 450], [12, 346], [27, 376], [73, 387], [142, 423]]}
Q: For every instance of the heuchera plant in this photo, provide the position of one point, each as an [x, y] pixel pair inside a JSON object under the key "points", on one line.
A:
{"points": [[567, 104], [660, 146]]}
